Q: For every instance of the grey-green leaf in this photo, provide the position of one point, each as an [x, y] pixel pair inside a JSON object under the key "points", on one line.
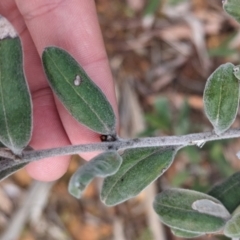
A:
{"points": [[211, 208], [228, 192], [174, 207], [232, 8], [221, 98], [78, 93], [232, 228], [103, 165], [140, 167], [185, 234], [9, 166], [15, 101]]}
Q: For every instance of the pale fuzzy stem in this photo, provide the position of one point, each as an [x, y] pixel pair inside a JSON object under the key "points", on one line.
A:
{"points": [[186, 140], [235, 238]]}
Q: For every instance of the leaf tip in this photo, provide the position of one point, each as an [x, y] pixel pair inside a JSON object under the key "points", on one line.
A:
{"points": [[75, 188], [75, 193]]}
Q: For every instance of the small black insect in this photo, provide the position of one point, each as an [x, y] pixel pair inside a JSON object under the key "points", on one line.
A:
{"points": [[108, 138]]}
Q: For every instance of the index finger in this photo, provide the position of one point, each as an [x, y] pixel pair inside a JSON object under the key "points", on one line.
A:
{"points": [[72, 25]]}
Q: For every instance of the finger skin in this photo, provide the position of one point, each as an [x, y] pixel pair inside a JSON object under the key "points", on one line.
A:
{"points": [[72, 25], [48, 131]]}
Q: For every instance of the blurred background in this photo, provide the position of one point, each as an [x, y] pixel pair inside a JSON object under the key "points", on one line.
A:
{"points": [[161, 53]]}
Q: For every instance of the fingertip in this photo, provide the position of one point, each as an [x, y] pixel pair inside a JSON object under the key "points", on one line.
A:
{"points": [[49, 169]]}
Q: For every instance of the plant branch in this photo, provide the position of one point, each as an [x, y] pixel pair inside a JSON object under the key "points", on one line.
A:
{"points": [[185, 140]]}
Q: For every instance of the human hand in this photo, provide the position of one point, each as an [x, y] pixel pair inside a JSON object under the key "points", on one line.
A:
{"points": [[73, 26]]}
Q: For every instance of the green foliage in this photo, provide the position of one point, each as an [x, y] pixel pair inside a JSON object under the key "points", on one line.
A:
{"points": [[151, 7], [179, 178], [102, 165], [188, 213], [232, 8], [209, 207], [174, 207], [221, 98], [79, 94], [140, 167], [232, 228], [182, 122], [214, 152], [165, 119], [218, 159], [175, 2], [15, 103], [161, 118], [185, 234], [228, 192]]}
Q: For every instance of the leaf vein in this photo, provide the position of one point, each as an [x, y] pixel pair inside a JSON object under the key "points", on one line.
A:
{"points": [[99, 118], [129, 169]]}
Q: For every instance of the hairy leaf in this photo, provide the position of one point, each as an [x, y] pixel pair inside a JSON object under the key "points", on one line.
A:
{"points": [[228, 192], [232, 228], [78, 93], [140, 167], [232, 8], [9, 166], [221, 98], [15, 102], [211, 208], [103, 165], [174, 207], [185, 234]]}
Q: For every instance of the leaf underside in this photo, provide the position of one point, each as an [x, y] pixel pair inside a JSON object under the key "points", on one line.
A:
{"points": [[209, 207], [228, 192], [8, 167], [103, 165], [78, 93], [185, 234], [15, 102], [232, 228], [140, 167], [221, 98], [174, 207]]}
